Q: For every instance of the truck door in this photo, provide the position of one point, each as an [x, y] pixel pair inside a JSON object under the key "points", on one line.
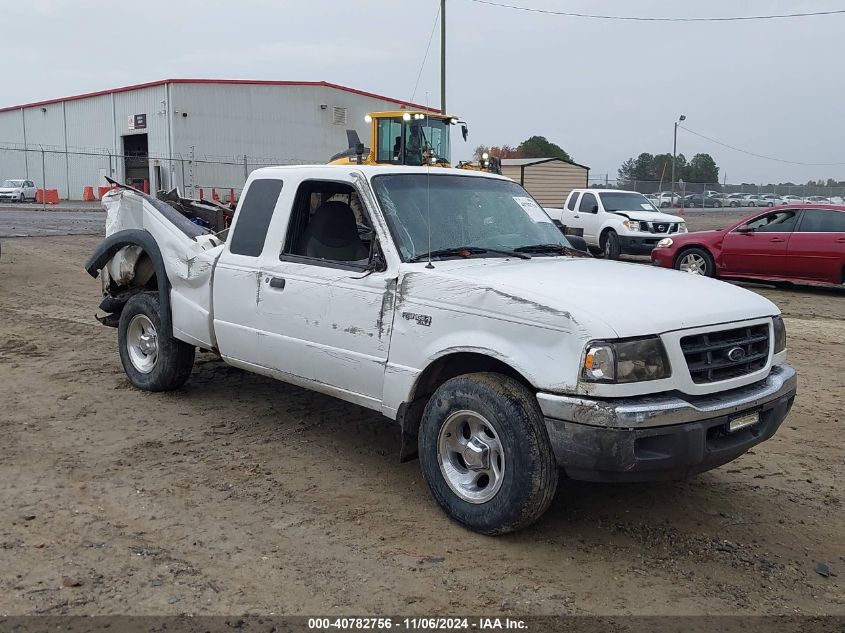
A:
{"points": [[237, 275], [325, 314], [588, 217]]}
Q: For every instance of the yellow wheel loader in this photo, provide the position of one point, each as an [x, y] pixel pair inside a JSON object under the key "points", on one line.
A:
{"points": [[409, 137]]}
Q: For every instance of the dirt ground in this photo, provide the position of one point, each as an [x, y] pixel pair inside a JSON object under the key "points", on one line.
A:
{"points": [[239, 494]]}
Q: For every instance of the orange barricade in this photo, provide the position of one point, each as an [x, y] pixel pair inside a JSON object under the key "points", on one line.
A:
{"points": [[201, 196], [48, 196], [88, 194], [214, 195]]}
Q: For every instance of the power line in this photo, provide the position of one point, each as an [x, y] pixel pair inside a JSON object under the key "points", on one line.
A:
{"points": [[425, 57], [745, 151], [633, 18]]}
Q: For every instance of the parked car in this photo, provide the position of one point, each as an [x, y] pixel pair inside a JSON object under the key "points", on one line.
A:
{"points": [[697, 200], [790, 199], [18, 190], [770, 200], [797, 243], [451, 303], [668, 199], [615, 222], [653, 198], [735, 200], [818, 200]]}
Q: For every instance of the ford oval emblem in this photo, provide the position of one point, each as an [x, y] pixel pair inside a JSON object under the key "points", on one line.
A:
{"points": [[735, 354]]}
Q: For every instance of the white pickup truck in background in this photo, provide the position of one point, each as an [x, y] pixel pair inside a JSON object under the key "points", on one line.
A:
{"points": [[615, 222], [448, 301]]}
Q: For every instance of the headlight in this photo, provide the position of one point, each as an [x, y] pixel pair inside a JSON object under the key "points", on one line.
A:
{"points": [[780, 334], [635, 360], [682, 227], [631, 225], [666, 242]]}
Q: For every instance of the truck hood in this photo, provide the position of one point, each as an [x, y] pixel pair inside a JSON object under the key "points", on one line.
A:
{"points": [[649, 216], [592, 295]]}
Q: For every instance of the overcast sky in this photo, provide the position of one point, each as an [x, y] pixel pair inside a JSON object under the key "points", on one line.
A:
{"points": [[603, 90]]}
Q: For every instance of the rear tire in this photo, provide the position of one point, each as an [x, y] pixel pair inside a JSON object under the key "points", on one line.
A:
{"points": [[152, 361], [485, 453], [610, 245], [695, 261]]}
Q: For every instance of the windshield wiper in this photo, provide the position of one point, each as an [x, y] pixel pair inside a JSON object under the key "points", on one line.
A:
{"points": [[551, 248], [466, 251]]}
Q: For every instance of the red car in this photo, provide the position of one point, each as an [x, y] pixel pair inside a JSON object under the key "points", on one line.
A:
{"points": [[796, 243]]}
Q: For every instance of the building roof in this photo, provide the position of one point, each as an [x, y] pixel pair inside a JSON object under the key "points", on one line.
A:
{"points": [[521, 162], [250, 82]]}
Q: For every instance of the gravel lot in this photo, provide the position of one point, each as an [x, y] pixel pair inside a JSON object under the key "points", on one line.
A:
{"points": [[240, 494]]}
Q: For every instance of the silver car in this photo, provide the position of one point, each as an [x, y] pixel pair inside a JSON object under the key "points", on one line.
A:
{"points": [[18, 190]]}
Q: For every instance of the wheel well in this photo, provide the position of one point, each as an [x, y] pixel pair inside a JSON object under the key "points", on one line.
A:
{"points": [[604, 233], [441, 370]]}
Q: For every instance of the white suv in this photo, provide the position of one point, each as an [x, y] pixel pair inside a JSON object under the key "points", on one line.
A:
{"points": [[614, 222], [18, 190]]}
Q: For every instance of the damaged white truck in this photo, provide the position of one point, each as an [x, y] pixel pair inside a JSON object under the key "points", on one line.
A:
{"points": [[449, 301]]}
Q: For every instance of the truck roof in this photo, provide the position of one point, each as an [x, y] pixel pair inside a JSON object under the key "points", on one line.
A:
{"points": [[605, 190], [374, 170]]}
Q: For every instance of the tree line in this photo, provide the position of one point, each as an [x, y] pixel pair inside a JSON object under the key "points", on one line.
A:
{"points": [[658, 167], [533, 147]]}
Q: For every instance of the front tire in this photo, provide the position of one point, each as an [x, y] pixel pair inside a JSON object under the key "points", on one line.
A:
{"points": [[152, 361], [696, 261], [610, 245], [485, 453]]}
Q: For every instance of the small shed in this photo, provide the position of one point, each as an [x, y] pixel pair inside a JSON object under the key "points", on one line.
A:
{"points": [[549, 180]]}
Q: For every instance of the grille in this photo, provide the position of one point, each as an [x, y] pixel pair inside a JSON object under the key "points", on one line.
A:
{"points": [[659, 227], [726, 354]]}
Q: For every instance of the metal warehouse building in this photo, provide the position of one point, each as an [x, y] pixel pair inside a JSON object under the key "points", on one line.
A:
{"points": [[548, 179], [191, 133]]}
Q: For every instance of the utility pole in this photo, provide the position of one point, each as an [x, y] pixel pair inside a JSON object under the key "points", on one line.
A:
{"points": [[674, 154], [443, 56]]}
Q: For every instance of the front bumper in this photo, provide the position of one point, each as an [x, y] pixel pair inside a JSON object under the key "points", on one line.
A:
{"points": [[630, 245], [665, 436]]}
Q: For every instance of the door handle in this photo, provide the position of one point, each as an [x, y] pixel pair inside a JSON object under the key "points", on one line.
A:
{"points": [[277, 282], [777, 239], [841, 240]]}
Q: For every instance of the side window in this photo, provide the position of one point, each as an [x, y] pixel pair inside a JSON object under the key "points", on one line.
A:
{"points": [[776, 222], [588, 201], [329, 226], [28, 183], [254, 217], [389, 141], [573, 198], [822, 221]]}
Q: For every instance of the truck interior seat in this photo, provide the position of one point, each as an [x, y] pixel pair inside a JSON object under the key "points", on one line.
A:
{"points": [[332, 233]]}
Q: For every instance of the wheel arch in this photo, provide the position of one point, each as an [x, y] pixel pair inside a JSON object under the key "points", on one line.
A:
{"points": [[683, 249], [107, 249], [449, 365]]}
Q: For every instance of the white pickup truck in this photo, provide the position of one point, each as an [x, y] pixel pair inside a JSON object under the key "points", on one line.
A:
{"points": [[448, 301], [615, 222]]}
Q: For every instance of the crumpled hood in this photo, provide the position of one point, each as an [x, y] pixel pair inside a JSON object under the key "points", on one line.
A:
{"points": [[595, 295], [649, 216]]}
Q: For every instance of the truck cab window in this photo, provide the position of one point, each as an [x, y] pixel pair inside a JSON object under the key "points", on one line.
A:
{"points": [[254, 217], [573, 198], [329, 225], [588, 203]]}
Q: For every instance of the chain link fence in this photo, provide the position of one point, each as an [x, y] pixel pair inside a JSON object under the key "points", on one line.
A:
{"points": [[709, 195], [71, 171]]}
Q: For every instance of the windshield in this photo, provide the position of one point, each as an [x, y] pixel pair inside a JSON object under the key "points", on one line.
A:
{"points": [[463, 211], [625, 201], [13, 183], [415, 142]]}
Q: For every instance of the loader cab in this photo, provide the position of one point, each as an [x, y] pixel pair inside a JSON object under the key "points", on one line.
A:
{"points": [[411, 138]]}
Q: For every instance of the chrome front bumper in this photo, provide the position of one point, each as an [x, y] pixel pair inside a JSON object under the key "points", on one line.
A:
{"points": [[663, 410]]}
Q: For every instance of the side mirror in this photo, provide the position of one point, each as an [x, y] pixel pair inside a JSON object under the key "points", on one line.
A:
{"points": [[594, 208], [746, 230], [578, 243]]}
